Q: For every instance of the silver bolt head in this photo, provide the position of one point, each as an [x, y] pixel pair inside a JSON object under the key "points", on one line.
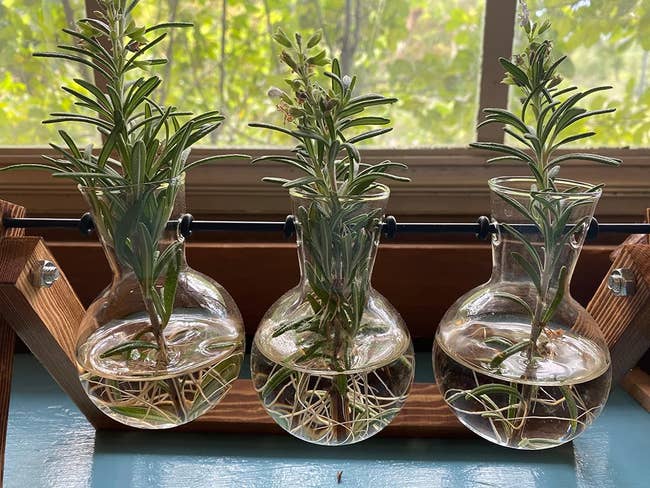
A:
{"points": [[46, 274], [622, 282]]}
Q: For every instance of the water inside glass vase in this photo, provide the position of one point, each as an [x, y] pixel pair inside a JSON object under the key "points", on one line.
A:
{"points": [[163, 343], [518, 359], [332, 360]]}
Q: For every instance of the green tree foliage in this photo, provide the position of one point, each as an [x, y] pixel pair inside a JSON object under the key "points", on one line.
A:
{"points": [[425, 52], [29, 87], [608, 42]]}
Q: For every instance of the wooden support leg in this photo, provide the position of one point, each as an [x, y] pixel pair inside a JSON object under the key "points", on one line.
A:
{"points": [[625, 320], [7, 339], [46, 319]]}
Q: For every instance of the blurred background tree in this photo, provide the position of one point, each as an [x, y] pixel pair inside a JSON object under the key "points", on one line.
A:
{"points": [[425, 52]]}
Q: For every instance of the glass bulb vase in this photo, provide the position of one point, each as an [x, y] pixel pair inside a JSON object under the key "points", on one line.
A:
{"points": [[517, 359], [332, 360], [163, 343]]}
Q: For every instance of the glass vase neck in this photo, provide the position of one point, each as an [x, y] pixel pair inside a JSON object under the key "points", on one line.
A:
{"points": [[540, 234], [338, 236], [131, 222]]}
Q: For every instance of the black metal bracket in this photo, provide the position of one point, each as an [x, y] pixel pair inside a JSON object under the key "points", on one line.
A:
{"points": [[186, 225]]}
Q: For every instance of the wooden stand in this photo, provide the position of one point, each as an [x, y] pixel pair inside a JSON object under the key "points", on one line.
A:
{"points": [[7, 337], [46, 319]]}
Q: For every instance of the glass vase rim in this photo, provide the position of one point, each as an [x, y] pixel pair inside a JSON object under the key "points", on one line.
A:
{"points": [[379, 192], [121, 188], [499, 184]]}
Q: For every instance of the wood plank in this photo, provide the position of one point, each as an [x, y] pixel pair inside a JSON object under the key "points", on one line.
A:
{"points": [[7, 341], [625, 321], [637, 384], [46, 319], [420, 280], [425, 414], [7, 337], [10, 210], [498, 36]]}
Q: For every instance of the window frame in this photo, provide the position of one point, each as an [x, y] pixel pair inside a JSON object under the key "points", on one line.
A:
{"points": [[446, 182]]}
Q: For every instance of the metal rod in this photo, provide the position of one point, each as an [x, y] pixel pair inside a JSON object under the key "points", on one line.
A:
{"points": [[264, 226]]}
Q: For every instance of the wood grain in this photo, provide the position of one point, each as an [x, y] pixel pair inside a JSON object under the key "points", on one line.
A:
{"points": [[425, 414], [46, 319], [625, 321], [498, 33], [7, 341], [637, 384], [7, 337], [421, 280], [9, 210]]}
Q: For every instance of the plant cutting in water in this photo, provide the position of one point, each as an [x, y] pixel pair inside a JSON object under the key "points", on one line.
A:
{"points": [[132, 182], [545, 123], [338, 231]]}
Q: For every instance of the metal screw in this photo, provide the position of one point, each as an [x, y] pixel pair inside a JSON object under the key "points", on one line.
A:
{"points": [[621, 282], [45, 274]]}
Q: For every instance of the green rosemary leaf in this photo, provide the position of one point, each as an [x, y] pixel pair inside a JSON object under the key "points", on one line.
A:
{"points": [[520, 77], [530, 270], [498, 341], [571, 407], [299, 182], [559, 294], [68, 117], [368, 135], [97, 93], [212, 159], [518, 206], [171, 283], [144, 413], [169, 25], [291, 326], [272, 127], [88, 102], [503, 158], [281, 38], [97, 24], [100, 60], [76, 59], [336, 68], [364, 121], [505, 354], [30, 167], [502, 148], [484, 390], [134, 58], [314, 39], [583, 157], [573, 138], [532, 252], [506, 117]]}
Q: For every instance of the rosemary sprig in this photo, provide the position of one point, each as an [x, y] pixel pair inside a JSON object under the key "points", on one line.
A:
{"points": [[141, 165], [326, 124], [337, 232], [337, 228], [543, 125]]}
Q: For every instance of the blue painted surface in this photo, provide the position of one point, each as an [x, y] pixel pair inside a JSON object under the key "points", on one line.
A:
{"points": [[50, 444]]}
